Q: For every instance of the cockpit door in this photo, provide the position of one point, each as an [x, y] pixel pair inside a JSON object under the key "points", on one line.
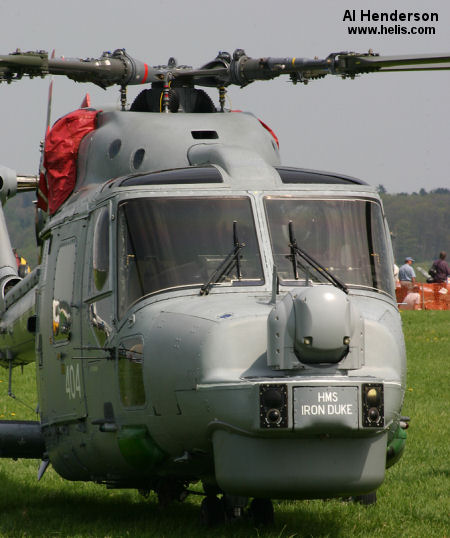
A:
{"points": [[98, 321], [60, 368]]}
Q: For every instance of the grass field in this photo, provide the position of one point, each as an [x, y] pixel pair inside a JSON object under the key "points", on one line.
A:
{"points": [[413, 501]]}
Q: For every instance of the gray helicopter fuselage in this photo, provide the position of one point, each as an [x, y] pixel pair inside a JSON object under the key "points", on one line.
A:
{"points": [[133, 142], [264, 383]]}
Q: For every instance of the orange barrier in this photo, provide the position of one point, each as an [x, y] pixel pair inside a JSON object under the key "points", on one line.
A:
{"points": [[431, 297]]}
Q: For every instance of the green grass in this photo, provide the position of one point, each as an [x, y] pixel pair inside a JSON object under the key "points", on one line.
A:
{"points": [[413, 500]]}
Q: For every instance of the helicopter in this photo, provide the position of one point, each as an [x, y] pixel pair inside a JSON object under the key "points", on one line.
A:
{"points": [[200, 311]]}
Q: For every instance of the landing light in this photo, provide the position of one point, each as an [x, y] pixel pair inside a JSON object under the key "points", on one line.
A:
{"points": [[373, 405], [273, 406], [273, 416], [372, 396]]}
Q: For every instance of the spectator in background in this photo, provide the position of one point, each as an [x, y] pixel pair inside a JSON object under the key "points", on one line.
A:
{"points": [[396, 272], [412, 299], [22, 267], [441, 268], [406, 275], [17, 258]]}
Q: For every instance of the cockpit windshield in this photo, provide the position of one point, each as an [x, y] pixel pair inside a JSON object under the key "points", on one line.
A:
{"points": [[166, 243], [346, 236]]}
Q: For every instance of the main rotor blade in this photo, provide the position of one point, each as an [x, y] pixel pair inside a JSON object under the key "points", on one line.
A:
{"points": [[116, 68], [418, 62], [239, 69], [344, 64]]}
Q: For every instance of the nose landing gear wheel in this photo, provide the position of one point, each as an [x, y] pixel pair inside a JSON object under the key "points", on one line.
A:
{"points": [[261, 511], [367, 499], [212, 511]]}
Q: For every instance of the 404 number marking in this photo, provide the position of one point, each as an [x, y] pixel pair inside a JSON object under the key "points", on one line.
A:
{"points": [[73, 382]]}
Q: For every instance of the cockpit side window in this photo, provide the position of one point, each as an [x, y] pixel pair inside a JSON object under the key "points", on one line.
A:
{"points": [[167, 243], [100, 250], [62, 292], [130, 371], [101, 305]]}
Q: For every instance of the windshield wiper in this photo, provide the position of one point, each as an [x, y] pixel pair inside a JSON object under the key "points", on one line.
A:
{"points": [[297, 251], [225, 266]]}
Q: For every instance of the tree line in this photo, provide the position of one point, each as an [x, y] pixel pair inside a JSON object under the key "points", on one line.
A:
{"points": [[419, 223]]}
